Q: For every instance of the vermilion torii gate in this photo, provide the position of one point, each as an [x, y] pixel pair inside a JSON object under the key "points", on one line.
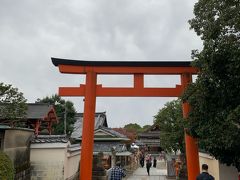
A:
{"points": [[90, 90]]}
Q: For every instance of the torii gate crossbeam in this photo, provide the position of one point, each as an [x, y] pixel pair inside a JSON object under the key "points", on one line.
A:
{"points": [[90, 90]]}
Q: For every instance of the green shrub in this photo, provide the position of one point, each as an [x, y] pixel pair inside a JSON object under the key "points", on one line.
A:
{"points": [[6, 167]]}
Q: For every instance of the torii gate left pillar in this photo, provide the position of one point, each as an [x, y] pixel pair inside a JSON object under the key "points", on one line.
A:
{"points": [[91, 90], [88, 126]]}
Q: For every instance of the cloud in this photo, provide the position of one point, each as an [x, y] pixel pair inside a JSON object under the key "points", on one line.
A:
{"points": [[34, 31]]}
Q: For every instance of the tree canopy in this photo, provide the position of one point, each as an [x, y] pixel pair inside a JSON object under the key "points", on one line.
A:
{"points": [[214, 97], [145, 127], [12, 103], [133, 127], [130, 134], [61, 107], [136, 128], [171, 124]]}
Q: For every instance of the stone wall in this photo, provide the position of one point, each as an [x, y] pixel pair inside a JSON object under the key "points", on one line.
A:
{"points": [[23, 175], [16, 145]]}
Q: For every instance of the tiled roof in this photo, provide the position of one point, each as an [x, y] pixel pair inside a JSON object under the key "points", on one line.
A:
{"points": [[100, 121], [74, 147], [151, 132], [131, 135], [105, 134], [139, 143], [107, 147], [149, 135], [49, 139], [2, 126], [36, 110], [60, 61], [151, 142], [113, 132]]}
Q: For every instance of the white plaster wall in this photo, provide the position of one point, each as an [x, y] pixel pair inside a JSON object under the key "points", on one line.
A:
{"points": [[218, 170], [47, 155], [47, 162], [71, 165], [228, 172], [213, 165]]}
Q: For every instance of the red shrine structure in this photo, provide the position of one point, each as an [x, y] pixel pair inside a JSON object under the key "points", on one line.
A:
{"points": [[90, 90], [41, 116]]}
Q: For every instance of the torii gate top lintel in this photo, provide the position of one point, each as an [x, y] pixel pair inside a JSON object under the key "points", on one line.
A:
{"points": [[124, 67]]}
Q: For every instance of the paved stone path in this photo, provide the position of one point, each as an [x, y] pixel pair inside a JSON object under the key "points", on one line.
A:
{"points": [[155, 174]]}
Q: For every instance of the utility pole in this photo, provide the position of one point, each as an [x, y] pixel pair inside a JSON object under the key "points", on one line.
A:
{"points": [[65, 119]]}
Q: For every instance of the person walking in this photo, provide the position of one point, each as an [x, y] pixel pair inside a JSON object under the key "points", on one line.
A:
{"points": [[205, 175], [142, 161], [148, 166], [154, 162], [116, 173], [142, 158], [177, 168]]}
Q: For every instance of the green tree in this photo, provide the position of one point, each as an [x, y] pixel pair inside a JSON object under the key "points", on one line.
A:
{"points": [[12, 103], [214, 97], [145, 127], [171, 124], [133, 127], [6, 167], [61, 107]]}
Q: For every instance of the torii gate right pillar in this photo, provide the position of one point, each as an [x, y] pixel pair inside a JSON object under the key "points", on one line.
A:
{"points": [[190, 142]]}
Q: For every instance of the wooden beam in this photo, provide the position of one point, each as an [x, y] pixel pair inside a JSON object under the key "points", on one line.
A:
{"points": [[126, 70], [138, 81], [123, 92]]}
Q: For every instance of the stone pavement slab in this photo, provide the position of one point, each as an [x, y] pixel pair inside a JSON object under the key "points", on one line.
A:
{"points": [[147, 178], [155, 174]]}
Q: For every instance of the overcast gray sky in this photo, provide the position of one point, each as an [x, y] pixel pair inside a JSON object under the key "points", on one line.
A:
{"points": [[31, 32]]}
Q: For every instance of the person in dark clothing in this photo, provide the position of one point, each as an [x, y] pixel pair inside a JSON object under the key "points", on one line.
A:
{"points": [[142, 161], [205, 175], [154, 162], [148, 166], [116, 173]]}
